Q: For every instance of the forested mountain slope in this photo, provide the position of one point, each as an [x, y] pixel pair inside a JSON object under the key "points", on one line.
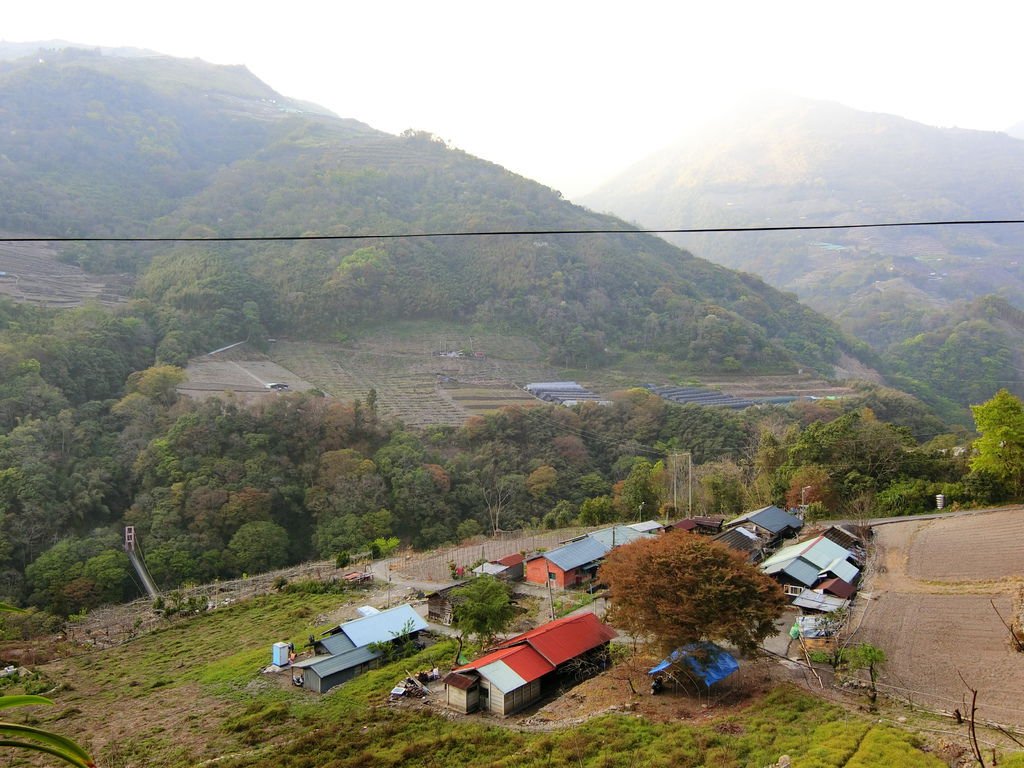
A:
{"points": [[94, 434], [104, 145], [790, 161]]}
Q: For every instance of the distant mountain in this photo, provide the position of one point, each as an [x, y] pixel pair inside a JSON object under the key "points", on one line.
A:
{"points": [[154, 146], [791, 161]]}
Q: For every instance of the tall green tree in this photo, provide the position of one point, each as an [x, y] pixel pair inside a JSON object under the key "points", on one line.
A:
{"points": [[260, 546], [1000, 449], [483, 608]]}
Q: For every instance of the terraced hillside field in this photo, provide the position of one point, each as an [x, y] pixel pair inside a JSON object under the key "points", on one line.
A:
{"points": [[419, 378], [441, 374], [928, 604], [31, 273]]}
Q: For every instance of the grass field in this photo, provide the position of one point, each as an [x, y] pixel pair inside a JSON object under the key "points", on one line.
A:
{"points": [[192, 694]]}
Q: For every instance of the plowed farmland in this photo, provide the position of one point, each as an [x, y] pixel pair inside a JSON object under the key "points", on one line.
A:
{"points": [[928, 603]]}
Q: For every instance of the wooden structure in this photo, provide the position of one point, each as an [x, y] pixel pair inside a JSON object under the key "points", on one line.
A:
{"points": [[517, 672]]}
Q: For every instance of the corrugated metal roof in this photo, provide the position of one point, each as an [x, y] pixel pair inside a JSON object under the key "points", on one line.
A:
{"points": [[577, 553], [822, 551], [617, 535], [843, 536], [338, 643], [531, 655], [647, 526], [510, 560], [527, 663], [384, 626], [844, 570], [564, 639], [509, 668], [816, 601], [460, 681], [339, 662], [776, 520], [770, 518], [490, 569], [838, 587], [819, 553], [804, 572], [502, 676], [739, 538]]}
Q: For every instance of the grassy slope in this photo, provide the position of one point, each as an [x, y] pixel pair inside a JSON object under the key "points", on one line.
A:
{"points": [[192, 693]]}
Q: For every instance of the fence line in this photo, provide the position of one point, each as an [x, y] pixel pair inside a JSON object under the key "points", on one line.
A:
{"points": [[437, 565], [114, 624]]}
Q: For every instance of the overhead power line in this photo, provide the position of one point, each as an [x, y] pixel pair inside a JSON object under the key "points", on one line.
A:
{"points": [[503, 233]]}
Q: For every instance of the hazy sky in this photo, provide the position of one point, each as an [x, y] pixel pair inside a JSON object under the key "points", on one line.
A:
{"points": [[570, 92]]}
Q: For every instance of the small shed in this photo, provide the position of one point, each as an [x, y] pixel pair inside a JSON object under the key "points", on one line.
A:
{"points": [[576, 562], [515, 674], [440, 607], [321, 673], [462, 691], [348, 650], [508, 568]]}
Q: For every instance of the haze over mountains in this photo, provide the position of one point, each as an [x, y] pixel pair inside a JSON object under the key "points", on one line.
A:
{"points": [[107, 145], [787, 161], [147, 145]]}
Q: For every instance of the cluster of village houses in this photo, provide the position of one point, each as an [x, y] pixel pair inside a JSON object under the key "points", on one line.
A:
{"points": [[819, 573]]}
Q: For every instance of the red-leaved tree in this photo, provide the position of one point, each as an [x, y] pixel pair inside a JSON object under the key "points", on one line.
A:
{"points": [[683, 588]]}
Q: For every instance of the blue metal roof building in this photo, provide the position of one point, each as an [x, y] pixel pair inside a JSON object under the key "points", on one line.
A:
{"points": [[774, 520], [809, 562], [348, 651], [384, 626]]}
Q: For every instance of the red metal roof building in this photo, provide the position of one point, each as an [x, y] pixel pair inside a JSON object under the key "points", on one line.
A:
{"points": [[512, 676]]}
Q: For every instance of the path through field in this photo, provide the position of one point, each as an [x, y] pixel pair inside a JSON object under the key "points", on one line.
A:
{"points": [[927, 601]]}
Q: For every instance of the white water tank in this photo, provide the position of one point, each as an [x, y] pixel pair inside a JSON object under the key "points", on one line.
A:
{"points": [[279, 654]]}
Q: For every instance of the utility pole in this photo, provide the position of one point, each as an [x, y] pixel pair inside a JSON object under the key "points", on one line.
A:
{"points": [[689, 483], [675, 484], [551, 599]]}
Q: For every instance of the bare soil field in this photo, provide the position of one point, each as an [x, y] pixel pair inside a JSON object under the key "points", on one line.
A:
{"points": [[242, 371], [31, 273], [927, 601], [969, 548]]}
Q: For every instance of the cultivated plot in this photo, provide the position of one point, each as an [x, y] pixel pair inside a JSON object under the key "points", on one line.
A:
{"points": [[31, 273], [417, 380], [928, 603], [248, 379]]}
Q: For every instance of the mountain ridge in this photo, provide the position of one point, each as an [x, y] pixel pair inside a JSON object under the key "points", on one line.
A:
{"points": [[805, 162], [183, 147]]}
